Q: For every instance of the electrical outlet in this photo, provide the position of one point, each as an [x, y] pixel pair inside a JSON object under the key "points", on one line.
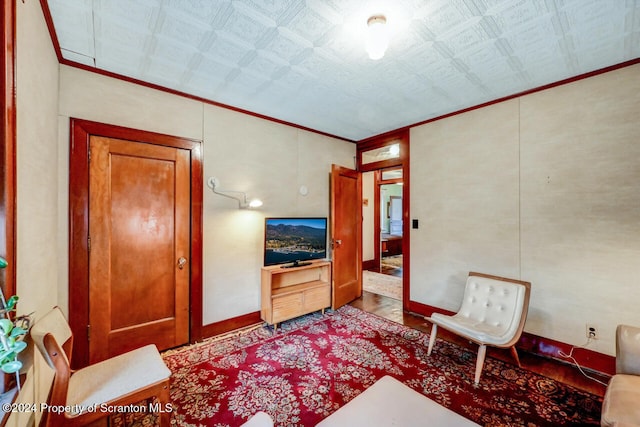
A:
{"points": [[592, 331]]}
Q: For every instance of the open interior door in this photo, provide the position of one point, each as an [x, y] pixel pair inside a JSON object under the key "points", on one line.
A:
{"points": [[346, 235]]}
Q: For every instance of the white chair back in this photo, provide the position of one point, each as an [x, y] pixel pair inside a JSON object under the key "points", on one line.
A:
{"points": [[53, 323], [496, 303]]}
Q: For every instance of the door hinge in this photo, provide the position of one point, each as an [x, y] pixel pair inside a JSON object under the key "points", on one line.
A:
{"points": [[89, 155], [88, 332], [89, 243]]}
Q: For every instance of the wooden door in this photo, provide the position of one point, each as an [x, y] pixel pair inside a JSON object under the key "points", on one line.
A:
{"points": [[346, 235], [139, 215]]}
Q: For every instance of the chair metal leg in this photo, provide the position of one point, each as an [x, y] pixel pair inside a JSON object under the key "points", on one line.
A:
{"points": [[482, 351], [432, 338]]}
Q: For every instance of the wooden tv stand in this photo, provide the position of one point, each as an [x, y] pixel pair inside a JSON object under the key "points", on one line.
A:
{"points": [[294, 291]]}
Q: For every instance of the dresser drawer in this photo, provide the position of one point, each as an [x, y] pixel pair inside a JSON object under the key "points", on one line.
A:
{"points": [[317, 298], [287, 306]]}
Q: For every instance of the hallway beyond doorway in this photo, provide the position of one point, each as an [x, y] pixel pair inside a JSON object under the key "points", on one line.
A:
{"points": [[391, 265], [382, 284]]}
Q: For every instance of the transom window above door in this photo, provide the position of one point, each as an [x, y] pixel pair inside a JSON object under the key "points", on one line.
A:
{"points": [[387, 152], [389, 174]]}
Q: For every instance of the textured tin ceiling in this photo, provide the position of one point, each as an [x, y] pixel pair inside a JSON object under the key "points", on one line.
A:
{"points": [[304, 62]]}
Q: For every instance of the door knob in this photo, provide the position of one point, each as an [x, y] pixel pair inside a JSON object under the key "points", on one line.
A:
{"points": [[181, 262]]}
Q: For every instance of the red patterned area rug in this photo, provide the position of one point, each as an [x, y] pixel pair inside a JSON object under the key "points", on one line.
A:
{"points": [[318, 363]]}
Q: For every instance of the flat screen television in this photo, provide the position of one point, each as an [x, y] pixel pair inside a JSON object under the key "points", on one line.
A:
{"points": [[294, 241]]}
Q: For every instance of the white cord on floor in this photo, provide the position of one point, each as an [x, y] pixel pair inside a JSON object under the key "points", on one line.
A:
{"points": [[570, 356]]}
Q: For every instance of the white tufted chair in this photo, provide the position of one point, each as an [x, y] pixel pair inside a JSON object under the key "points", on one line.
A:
{"points": [[493, 313]]}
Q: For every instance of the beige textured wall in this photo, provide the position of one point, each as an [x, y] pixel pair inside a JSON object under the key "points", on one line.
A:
{"points": [[36, 169], [265, 159], [464, 185], [268, 161], [580, 201], [37, 183], [543, 188]]}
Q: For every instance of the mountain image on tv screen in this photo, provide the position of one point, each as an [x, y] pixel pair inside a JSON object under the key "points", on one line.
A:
{"points": [[294, 239]]}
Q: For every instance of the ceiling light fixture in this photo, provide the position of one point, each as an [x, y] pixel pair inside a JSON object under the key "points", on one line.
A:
{"points": [[377, 36], [241, 197]]}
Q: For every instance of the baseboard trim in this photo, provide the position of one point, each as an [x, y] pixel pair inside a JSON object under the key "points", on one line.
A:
{"points": [[370, 264], [541, 346], [589, 359], [228, 325]]}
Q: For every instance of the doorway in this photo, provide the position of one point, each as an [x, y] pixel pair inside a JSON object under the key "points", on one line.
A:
{"points": [[391, 233], [135, 258], [384, 164], [382, 275]]}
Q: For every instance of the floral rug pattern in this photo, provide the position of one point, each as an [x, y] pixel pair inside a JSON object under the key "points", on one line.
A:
{"points": [[318, 363]]}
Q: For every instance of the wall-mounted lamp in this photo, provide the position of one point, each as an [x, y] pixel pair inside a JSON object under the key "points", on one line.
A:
{"points": [[377, 36], [240, 197]]}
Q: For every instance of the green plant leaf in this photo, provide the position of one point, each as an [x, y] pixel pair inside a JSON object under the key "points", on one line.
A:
{"points": [[12, 367], [3, 262], [6, 326], [6, 355], [11, 303], [19, 346], [18, 331]]}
